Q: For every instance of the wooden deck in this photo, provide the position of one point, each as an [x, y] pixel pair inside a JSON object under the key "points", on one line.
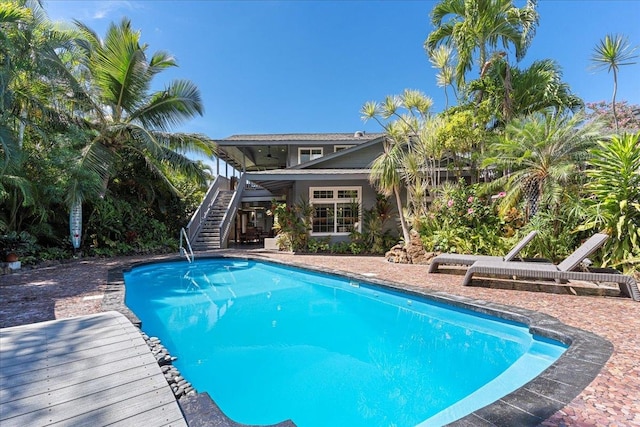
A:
{"points": [[94, 370]]}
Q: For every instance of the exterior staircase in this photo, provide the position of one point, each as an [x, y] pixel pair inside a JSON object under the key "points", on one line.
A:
{"points": [[209, 235]]}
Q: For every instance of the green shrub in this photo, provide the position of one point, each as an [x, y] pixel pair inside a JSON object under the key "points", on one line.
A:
{"points": [[461, 221], [316, 245]]}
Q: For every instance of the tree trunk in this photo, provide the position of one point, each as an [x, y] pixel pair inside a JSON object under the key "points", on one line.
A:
{"points": [[613, 101], [403, 222]]}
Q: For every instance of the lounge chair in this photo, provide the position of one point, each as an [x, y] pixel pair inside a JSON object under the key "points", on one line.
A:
{"points": [[561, 272], [465, 259]]}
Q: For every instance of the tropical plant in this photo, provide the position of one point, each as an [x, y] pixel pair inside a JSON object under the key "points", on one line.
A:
{"points": [[408, 150], [557, 234], [57, 91], [461, 221], [535, 89], [614, 203], [443, 59], [475, 27], [30, 75], [292, 224], [463, 135], [376, 236], [540, 158], [123, 119], [611, 53]]}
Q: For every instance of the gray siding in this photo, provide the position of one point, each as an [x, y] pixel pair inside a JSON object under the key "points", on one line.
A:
{"points": [[361, 158], [293, 151]]}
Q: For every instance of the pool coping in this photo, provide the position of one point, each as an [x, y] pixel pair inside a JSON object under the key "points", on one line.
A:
{"points": [[529, 405]]}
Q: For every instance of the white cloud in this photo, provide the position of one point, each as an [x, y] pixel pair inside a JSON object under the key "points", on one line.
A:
{"points": [[106, 8], [87, 11]]}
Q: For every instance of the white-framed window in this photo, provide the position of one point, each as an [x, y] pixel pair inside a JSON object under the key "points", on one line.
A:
{"points": [[337, 148], [309, 153], [336, 210]]}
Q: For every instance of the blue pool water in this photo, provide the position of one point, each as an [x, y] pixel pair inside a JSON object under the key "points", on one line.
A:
{"points": [[270, 342]]}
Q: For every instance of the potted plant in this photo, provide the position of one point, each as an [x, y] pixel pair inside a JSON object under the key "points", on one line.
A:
{"points": [[12, 247]]}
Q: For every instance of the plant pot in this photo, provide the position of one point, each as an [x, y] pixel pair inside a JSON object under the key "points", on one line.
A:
{"points": [[15, 265]]}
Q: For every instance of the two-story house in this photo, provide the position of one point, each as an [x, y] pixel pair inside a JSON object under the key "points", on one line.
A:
{"points": [[331, 171]]}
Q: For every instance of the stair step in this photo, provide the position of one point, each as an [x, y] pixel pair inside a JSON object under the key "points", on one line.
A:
{"points": [[209, 235]]}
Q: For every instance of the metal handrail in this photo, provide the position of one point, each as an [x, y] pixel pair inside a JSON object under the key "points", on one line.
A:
{"points": [[183, 234], [229, 215]]}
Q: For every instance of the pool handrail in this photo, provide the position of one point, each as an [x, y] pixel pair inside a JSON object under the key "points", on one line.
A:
{"points": [[189, 255]]}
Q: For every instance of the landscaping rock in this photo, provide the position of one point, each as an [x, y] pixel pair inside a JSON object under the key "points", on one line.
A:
{"points": [[413, 253], [179, 386]]}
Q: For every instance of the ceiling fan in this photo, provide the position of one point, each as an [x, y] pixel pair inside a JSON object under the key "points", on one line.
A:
{"points": [[269, 155]]}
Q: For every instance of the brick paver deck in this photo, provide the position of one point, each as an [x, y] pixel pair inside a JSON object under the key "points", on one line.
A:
{"points": [[612, 399]]}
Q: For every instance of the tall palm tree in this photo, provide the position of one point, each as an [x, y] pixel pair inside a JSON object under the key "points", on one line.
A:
{"points": [[473, 27], [611, 53], [122, 118], [540, 156], [534, 89]]}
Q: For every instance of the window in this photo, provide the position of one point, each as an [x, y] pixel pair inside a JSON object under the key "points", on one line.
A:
{"points": [[337, 148], [335, 210], [307, 154]]}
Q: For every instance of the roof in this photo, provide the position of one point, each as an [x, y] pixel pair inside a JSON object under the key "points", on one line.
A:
{"points": [[356, 137]]}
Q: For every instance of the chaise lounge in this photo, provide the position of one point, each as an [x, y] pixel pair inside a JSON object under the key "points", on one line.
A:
{"points": [[561, 272], [468, 259]]}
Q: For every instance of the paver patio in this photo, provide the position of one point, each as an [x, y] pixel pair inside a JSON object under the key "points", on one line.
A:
{"points": [[612, 399]]}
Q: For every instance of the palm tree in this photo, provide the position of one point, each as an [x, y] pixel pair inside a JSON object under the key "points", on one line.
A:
{"points": [[611, 53], [540, 156], [472, 27], [122, 119], [534, 89], [30, 73]]}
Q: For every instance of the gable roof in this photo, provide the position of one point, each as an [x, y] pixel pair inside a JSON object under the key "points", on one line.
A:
{"points": [[331, 157]]}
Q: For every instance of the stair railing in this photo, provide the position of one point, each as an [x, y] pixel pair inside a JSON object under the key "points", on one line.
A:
{"points": [[200, 215], [183, 250], [230, 213]]}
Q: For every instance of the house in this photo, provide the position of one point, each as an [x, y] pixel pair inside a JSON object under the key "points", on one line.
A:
{"points": [[329, 170]]}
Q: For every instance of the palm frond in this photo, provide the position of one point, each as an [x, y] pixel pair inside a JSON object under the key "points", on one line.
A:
{"points": [[171, 107]]}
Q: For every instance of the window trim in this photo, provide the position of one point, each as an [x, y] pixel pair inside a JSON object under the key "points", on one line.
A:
{"points": [[311, 157], [335, 201]]}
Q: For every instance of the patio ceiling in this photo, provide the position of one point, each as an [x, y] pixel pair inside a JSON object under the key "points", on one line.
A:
{"points": [[255, 157], [280, 179]]}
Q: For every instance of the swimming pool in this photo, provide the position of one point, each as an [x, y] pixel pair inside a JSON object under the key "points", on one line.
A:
{"points": [[272, 342]]}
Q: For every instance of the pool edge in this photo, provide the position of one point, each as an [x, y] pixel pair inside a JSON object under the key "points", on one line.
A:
{"points": [[529, 405]]}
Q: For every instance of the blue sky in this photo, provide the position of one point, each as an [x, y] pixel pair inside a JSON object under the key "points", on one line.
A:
{"points": [[309, 66]]}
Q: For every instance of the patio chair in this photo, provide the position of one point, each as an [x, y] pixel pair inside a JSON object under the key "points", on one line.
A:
{"points": [[561, 272], [467, 259]]}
